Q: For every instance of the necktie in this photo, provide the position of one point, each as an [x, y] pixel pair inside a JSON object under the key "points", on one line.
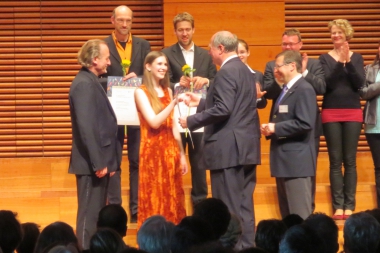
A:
{"points": [[282, 94]]}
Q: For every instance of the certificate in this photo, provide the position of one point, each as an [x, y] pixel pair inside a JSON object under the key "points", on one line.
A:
{"points": [[121, 96]]}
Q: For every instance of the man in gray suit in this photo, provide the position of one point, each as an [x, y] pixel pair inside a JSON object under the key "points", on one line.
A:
{"points": [[95, 152], [179, 54], [313, 73], [231, 140], [123, 45], [291, 131]]}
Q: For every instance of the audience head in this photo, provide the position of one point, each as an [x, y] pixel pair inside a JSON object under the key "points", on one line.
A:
{"points": [[375, 213], [301, 239], [222, 45], [56, 233], [233, 233], [113, 216], [327, 230], [361, 233], [341, 26], [155, 234], [291, 40], [254, 250], [10, 231], [191, 231], [269, 234], [59, 248], [133, 250], [30, 233], [292, 220], [243, 50], [216, 212], [210, 247], [106, 240]]}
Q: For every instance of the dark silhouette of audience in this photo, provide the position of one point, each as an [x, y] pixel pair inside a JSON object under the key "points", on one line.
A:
{"points": [[30, 233], [326, 229], [301, 239], [56, 233], [361, 234], [216, 212], [10, 231], [292, 220], [210, 247], [106, 240], [191, 231], [253, 250], [60, 248], [233, 233], [113, 216], [133, 250], [269, 233], [155, 234]]}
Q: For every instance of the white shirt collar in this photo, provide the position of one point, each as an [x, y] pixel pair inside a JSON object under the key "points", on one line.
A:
{"points": [[190, 49], [295, 79], [228, 58]]}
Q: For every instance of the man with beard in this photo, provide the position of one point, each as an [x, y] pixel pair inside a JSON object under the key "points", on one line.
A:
{"points": [[179, 54], [124, 46]]}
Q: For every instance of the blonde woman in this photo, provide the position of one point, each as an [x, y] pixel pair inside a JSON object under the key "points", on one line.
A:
{"points": [[342, 115]]}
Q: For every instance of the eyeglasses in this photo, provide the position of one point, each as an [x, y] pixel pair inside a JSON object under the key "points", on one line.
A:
{"points": [[289, 44], [279, 66], [122, 21]]}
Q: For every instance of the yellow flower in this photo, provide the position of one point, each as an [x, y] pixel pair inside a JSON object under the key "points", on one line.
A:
{"points": [[185, 67], [124, 65]]}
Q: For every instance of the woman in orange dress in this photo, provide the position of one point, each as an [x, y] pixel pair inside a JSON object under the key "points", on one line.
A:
{"points": [[162, 158]]}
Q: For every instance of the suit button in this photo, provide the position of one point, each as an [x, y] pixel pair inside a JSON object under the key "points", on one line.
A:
{"points": [[274, 116]]}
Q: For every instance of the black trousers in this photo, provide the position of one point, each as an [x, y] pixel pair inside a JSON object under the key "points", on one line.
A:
{"points": [[133, 147], [92, 197], [374, 145], [198, 176], [342, 143], [235, 187]]}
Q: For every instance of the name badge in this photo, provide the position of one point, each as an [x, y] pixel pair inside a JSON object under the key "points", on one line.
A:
{"points": [[283, 108]]}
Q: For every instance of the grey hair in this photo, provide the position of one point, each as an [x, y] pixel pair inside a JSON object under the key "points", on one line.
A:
{"points": [[89, 51], [227, 39]]}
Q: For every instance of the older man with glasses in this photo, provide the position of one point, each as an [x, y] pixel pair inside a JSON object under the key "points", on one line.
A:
{"points": [[313, 73]]}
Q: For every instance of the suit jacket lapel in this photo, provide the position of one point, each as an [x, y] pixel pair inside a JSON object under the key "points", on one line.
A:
{"points": [[113, 50], [198, 59], [178, 56], [135, 49]]}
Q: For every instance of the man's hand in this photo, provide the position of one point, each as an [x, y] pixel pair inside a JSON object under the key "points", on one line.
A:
{"points": [[183, 121], [190, 99], [199, 82], [184, 81], [267, 129], [130, 75], [305, 58], [101, 173], [260, 93]]}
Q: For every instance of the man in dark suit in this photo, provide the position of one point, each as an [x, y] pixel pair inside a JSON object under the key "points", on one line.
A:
{"points": [[123, 45], [95, 152], [231, 140], [291, 130], [313, 73], [179, 54]]}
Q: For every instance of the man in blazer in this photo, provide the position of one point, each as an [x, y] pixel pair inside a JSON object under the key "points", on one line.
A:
{"points": [[179, 54], [231, 140], [95, 152], [123, 45], [313, 73], [291, 131]]}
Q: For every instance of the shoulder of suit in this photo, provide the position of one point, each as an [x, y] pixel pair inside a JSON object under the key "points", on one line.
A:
{"points": [[169, 48], [138, 39]]}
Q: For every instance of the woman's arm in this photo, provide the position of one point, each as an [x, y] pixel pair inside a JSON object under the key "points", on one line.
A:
{"points": [[143, 105]]}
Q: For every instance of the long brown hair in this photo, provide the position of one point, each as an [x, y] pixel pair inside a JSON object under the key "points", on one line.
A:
{"points": [[147, 80]]}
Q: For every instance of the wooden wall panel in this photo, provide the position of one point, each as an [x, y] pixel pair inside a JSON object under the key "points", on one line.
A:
{"points": [[249, 20], [39, 41]]}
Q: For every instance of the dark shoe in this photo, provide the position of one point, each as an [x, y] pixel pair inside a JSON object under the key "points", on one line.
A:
{"points": [[134, 218]]}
